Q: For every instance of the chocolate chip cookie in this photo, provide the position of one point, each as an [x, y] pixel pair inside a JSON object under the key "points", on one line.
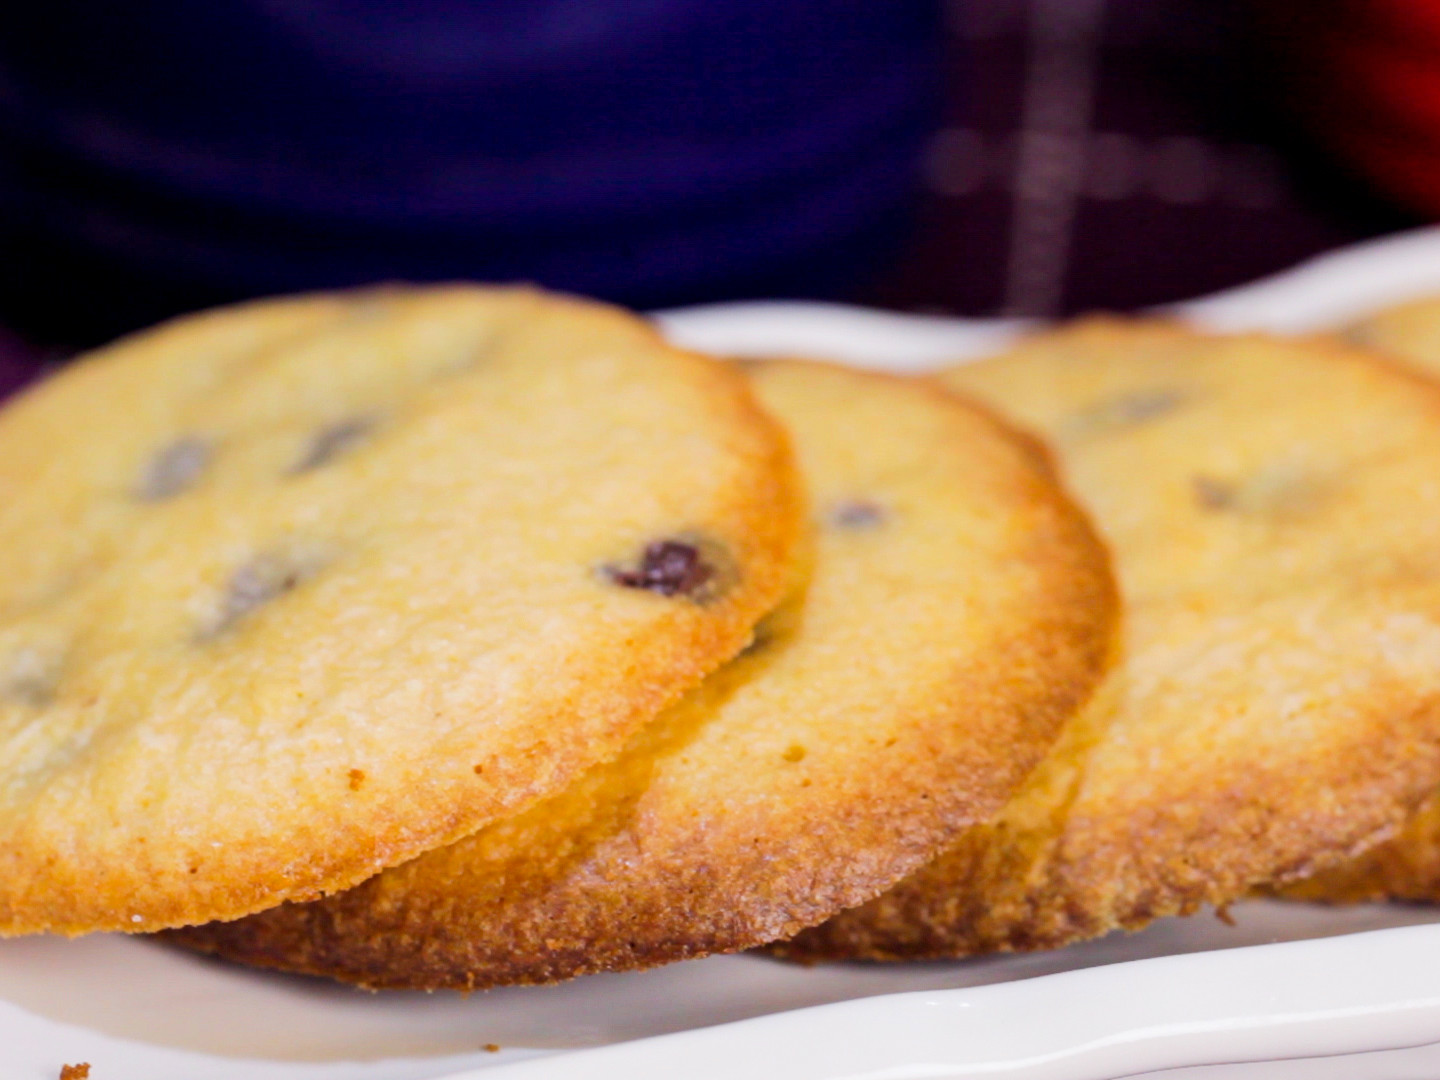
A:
{"points": [[295, 591], [1273, 508]]}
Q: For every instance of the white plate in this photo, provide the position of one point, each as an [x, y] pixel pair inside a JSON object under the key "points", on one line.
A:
{"points": [[1285, 990]]}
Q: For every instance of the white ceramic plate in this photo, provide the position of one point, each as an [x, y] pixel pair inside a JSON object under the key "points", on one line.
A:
{"points": [[1288, 992]]}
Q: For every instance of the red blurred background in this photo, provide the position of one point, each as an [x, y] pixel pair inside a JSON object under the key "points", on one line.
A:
{"points": [[1122, 153]]}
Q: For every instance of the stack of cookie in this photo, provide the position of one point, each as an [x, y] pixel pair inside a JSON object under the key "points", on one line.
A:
{"points": [[1272, 508], [462, 637]]}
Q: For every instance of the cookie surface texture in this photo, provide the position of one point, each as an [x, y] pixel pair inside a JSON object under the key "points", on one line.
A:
{"points": [[298, 590], [957, 610], [1273, 510]]}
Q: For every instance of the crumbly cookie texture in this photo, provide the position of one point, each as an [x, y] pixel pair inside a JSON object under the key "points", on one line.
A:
{"points": [[298, 590], [1273, 508], [958, 609]]}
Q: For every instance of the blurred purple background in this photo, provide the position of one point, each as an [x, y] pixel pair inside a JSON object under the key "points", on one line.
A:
{"points": [[1092, 154]]}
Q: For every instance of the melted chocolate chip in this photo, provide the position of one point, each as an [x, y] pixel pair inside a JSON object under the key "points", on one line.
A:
{"points": [[333, 441], [1128, 410], [174, 469], [1137, 408], [1277, 489], [1213, 494], [259, 581], [30, 677], [857, 514], [667, 567]]}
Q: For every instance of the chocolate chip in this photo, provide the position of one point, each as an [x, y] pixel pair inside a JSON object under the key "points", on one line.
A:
{"points": [[1213, 494], [257, 583], [856, 514], [333, 441], [1278, 489], [263, 579], [30, 677], [174, 469], [667, 567], [1128, 410]]}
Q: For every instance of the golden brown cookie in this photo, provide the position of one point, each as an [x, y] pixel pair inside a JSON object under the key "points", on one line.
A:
{"points": [[1406, 867], [1273, 508], [958, 610], [295, 591]]}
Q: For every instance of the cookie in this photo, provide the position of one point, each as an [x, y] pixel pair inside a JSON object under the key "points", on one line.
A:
{"points": [[957, 610], [1406, 867], [298, 590], [1273, 509], [1409, 332]]}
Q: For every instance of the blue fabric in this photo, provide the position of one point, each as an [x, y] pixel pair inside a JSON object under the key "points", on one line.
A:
{"points": [[650, 151]]}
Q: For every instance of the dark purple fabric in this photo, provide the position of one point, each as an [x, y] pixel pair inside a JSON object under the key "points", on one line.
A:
{"points": [[19, 362], [647, 151]]}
